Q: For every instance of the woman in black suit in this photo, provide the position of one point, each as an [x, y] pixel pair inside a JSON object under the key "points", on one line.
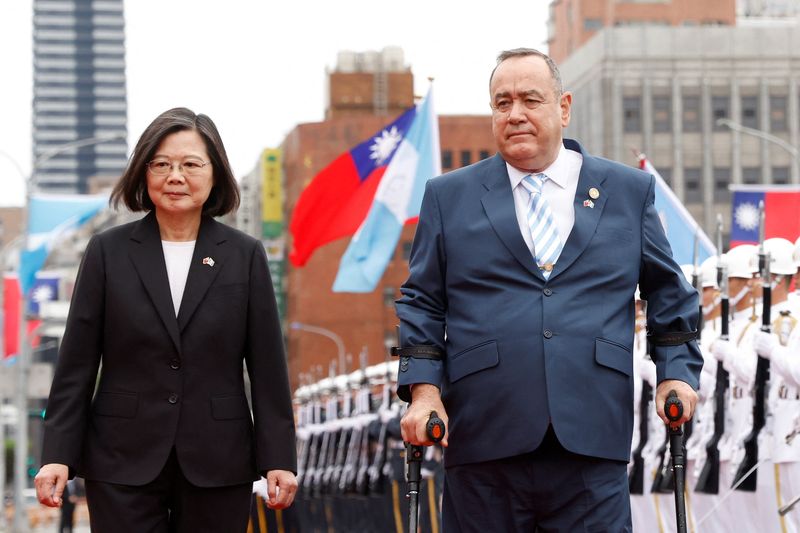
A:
{"points": [[172, 306]]}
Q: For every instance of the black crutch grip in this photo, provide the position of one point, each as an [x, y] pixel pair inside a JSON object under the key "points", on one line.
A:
{"points": [[435, 427], [673, 407]]}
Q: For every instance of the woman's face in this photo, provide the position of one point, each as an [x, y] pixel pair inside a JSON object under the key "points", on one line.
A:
{"points": [[179, 175]]}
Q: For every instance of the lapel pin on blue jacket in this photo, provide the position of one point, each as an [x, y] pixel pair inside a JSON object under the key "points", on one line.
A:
{"points": [[208, 261], [594, 194]]}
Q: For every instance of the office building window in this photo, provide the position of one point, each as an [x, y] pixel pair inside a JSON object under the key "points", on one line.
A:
{"points": [[447, 159], [691, 113], [722, 179], [720, 108], [592, 24], [632, 114], [406, 250], [777, 114], [750, 111], [466, 157], [780, 175], [751, 175], [693, 190], [388, 296], [662, 114], [484, 154]]}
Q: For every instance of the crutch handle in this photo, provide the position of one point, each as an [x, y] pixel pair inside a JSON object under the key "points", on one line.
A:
{"points": [[673, 407]]}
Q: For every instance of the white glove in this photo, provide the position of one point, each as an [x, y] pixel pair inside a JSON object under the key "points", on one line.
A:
{"points": [[764, 343], [722, 350]]}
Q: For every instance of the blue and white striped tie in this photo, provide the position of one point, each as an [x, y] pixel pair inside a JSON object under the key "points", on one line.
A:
{"points": [[547, 244]]}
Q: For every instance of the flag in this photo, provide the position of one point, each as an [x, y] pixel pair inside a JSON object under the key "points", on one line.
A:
{"points": [[397, 201], [679, 225], [50, 218], [11, 308], [781, 208], [44, 289], [338, 199]]}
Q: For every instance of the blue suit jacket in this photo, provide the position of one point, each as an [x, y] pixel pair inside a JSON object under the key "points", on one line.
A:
{"points": [[522, 351]]}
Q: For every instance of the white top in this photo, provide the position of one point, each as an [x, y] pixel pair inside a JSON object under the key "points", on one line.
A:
{"points": [[559, 191], [177, 256]]}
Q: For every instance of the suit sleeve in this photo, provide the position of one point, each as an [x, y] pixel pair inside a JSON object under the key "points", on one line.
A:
{"points": [[68, 407], [423, 304], [672, 305], [269, 377]]}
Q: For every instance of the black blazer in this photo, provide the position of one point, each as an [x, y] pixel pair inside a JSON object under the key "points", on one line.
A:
{"points": [[169, 382]]}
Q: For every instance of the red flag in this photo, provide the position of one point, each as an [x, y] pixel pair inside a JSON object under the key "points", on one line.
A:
{"points": [[11, 303], [338, 199]]}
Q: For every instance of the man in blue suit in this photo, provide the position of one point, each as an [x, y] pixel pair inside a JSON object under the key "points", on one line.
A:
{"points": [[517, 319]]}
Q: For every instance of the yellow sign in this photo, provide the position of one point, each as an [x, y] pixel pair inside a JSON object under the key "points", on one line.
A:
{"points": [[271, 193]]}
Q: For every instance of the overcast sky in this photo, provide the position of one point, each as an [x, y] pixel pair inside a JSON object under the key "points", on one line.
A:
{"points": [[257, 68]]}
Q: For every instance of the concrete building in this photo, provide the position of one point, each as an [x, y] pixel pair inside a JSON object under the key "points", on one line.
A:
{"points": [[78, 91], [664, 90], [369, 83], [573, 22]]}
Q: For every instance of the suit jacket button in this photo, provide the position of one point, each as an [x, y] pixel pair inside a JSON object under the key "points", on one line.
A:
{"points": [[173, 398], [175, 364], [547, 291], [548, 334]]}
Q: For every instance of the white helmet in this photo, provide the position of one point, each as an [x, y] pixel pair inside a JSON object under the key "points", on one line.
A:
{"points": [[797, 253], [688, 272], [708, 272], [781, 256], [742, 261]]}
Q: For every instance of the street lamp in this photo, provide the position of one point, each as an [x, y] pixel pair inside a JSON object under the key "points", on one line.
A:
{"points": [[735, 126], [23, 349], [325, 333]]}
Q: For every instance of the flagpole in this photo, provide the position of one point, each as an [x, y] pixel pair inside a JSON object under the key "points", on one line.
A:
{"points": [[24, 349]]}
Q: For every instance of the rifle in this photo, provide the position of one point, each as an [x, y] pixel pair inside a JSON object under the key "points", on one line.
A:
{"points": [[747, 472], [315, 444], [708, 482], [385, 414], [636, 476]]}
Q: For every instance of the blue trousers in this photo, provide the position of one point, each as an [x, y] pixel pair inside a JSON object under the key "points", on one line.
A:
{"points": [[547, 490]]}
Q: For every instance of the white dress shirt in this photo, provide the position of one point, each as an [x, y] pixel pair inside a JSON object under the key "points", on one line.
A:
{"points": [[559, 190]]}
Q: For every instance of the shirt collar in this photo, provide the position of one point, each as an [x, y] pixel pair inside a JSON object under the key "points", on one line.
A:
{"points": [[558, 171]]}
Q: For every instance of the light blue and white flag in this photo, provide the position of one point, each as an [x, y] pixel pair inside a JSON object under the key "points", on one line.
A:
{"points": [[397, 201], [679, 225], [51, 217]]}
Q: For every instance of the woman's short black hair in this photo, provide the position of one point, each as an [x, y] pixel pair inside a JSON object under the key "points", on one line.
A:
{"points": [[131, 189]]}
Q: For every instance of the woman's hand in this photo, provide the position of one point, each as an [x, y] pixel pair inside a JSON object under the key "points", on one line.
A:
{"points": [[281, 488], [50, 483]]}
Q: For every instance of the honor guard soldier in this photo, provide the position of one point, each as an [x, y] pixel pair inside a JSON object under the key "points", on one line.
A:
{"points": [[782, 348], [741, 261]]}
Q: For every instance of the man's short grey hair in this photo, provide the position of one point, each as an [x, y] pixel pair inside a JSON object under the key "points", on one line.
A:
{"points": [[525, 52]]}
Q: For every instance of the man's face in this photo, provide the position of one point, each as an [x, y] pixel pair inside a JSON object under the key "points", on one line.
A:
{"points": [[527, 114]]}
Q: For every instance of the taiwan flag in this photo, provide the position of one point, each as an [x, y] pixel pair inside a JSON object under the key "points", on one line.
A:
{"points": [[337, 200], [781, 208]]}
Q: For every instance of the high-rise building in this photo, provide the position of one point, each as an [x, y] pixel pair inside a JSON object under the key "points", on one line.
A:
{"points": [[684, 93], [78, 92]]}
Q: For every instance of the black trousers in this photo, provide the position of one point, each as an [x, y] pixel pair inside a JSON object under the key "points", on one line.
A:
{"points": [[168, 504], [548, 490]]}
